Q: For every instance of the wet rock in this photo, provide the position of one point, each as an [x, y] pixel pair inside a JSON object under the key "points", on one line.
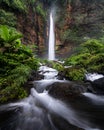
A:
{"points": [[9, 117], [98, 86], [66, 90], [35, 75], [61, 75]]}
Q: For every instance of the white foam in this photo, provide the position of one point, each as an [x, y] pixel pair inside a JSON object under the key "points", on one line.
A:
{"points": [[93, 76]]}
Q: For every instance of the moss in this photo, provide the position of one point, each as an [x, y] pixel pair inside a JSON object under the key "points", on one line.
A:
{"points": [[75, 73], [57, 66]]}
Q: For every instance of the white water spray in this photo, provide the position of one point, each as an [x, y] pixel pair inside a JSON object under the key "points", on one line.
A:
{"points": [[51, 48], [59, 108]]}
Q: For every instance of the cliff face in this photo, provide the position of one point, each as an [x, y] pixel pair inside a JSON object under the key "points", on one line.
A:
{"points": [[75, 22], [32, 27], [79, 21], [88, 15]]}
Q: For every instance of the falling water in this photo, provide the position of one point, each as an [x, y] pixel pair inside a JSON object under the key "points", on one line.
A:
{"points": [[51, 48]]}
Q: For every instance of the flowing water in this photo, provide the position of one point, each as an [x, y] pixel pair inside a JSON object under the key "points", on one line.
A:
{"points": [[51, 48], [40, 111], [93, 76]]}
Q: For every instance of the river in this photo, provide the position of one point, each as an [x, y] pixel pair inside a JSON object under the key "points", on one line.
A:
{"points": [[40, 111]]}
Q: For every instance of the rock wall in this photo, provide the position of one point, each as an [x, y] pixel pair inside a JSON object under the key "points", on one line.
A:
{"points": [[32, 26], [88, 16], [75, 22]]}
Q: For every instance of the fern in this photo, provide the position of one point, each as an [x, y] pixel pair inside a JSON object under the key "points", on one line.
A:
{"points": [[8, 36], [15, 4], [4, 33], [7, 18], [16, 61], [18, 4]]}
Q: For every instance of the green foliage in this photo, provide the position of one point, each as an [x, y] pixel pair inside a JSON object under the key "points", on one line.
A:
{"points": [[75, 73], [11, 88], [15, 4], [17, 61], [7, 18], [8, 36], [96, 63], [93, 46], [18, 4], [79, 59], [57, 66], [39, 10], [90, 58]]}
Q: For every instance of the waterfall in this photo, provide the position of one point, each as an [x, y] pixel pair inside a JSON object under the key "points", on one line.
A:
{"points": [[51, 47]]}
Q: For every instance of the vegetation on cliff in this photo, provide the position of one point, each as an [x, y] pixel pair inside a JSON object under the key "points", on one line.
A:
{"points": [[89, 58], [16, 59]]}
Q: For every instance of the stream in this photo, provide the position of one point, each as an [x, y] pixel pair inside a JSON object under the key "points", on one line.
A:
{"points": [[40, 111]]}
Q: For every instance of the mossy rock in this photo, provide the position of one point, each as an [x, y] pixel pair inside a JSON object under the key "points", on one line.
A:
{"points": [[75, 73], [12, 94], [58, 66]]}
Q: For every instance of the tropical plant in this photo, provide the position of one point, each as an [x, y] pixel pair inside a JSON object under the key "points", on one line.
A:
{"points": [[15, 4], [7, 18], [9, 35], [17, 62]]}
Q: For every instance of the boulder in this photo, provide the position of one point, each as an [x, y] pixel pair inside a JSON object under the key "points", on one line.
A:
{"points": [[35, 75], [98, 85], [66, 90]]}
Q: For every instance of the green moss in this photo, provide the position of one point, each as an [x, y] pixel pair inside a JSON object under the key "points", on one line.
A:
{"points": [[57, 66], [75, 73]]}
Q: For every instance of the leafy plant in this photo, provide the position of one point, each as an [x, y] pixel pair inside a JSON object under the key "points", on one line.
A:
{"points": [[17, 62], [8, 36], [15, 4], [93, 46], [7, 18], [57, 66], [90, 58], [75, 73]]}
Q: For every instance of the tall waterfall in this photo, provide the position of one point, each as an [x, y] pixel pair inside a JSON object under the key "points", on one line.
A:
{"points": [[51, 47]]}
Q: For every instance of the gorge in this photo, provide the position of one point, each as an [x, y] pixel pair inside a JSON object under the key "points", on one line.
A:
{"points": [[39, 92]]}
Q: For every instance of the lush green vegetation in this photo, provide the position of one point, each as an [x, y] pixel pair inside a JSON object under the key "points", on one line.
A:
{"points": [[17, 62], [89, 58], [16, 59]]}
